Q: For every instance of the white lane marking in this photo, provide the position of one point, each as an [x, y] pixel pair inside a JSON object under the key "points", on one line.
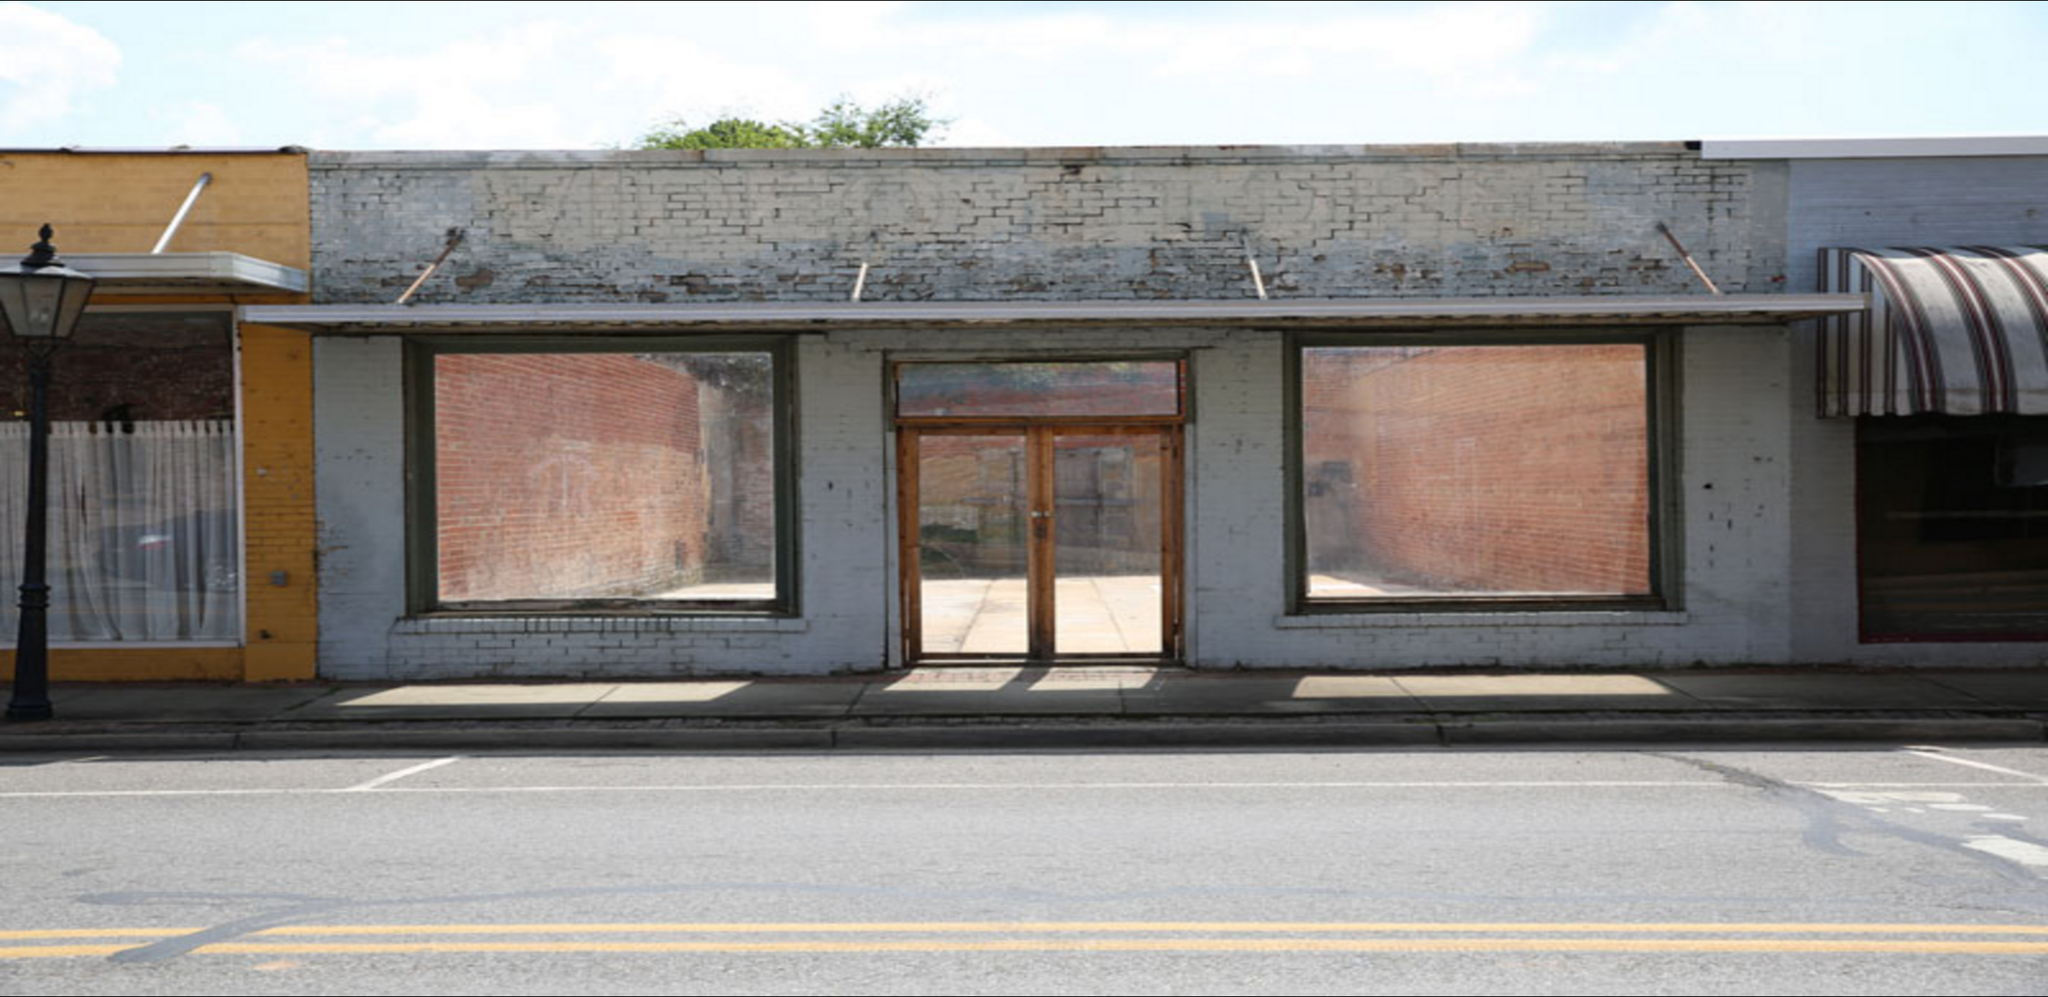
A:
{"points": [[2023, 852], [1960, 807], [89, 793], [391, 777], [869, 787], [2005, 817], [1864, 798], [999, 786], [1938, 755], [1847, 792]]}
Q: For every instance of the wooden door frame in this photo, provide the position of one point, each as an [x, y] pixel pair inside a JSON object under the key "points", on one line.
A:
{"points": [[1039, 436]]}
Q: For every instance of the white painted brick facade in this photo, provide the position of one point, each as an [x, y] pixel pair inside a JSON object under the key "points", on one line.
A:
{"points": [[1734, 481], [1047, 224], [1765, 491], [1922, 201]]}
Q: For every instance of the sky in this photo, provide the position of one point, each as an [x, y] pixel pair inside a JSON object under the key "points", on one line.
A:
{"points": [[597, 75]]}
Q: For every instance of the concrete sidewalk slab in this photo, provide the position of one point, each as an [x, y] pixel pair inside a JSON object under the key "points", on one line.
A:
{"points": [[1545, 692], [183, 703], [969, 702], [2017, 690], [1004, 691], [739, 698], [1199, 695], [459, 702], [1828, 692]]}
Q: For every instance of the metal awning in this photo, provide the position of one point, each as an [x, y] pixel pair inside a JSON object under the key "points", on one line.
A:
{"points": [[186, 273], [1951, 330], [1322, 313]]}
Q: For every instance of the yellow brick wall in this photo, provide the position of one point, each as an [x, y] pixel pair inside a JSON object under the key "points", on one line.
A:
{"points": [[119, 203], [257, 205], [277, 474]]}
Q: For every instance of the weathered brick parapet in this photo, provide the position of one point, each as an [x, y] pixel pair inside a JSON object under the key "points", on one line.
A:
{"points": [[1043, 224]]}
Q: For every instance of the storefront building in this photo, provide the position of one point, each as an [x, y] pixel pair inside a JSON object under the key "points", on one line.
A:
{"points": [[1919, 491], [181, 522], [662, 414]]}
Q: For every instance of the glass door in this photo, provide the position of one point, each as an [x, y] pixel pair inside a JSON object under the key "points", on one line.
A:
{"points": [[1110, 542], [969, 550], [1040, 542]]}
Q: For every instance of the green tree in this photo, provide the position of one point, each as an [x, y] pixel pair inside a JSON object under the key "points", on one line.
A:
{"points": [[844, 124], [901, 123], [725, 133]]}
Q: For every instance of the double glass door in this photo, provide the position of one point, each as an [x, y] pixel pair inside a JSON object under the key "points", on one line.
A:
{"points": [[1040, 541]]}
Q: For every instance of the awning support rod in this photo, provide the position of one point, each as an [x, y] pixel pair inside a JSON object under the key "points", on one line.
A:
{"points": [[177, 220], [1687, 257], [454, 240], [1258, 281]]}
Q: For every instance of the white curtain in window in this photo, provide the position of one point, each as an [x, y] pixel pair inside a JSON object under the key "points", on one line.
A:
{"points": [[143, 542]]}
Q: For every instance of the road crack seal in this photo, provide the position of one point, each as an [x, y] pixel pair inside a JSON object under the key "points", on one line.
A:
{"points": [[1828, 818]]}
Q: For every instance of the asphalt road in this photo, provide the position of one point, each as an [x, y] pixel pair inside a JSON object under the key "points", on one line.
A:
{"points": [[1877, 871]]}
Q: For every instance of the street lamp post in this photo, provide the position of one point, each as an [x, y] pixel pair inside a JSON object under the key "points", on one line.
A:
{"points": [[39, 306]]}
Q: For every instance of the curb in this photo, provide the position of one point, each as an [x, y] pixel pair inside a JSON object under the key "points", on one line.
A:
{"points": [[1047, 733]]}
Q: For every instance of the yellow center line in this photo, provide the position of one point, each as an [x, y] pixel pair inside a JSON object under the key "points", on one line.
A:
{"points": [[57, 951], [1191, 927]]}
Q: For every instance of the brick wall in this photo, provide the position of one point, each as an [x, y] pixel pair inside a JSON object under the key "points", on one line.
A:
{"points": [[102, 202], [277, 504], [1481, 469], [1036, 224], [137, 366], [1732, 600], [564, 476], [180, 364], [1910, 201]]}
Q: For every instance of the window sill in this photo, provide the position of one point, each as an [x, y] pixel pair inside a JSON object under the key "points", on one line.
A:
{"points": [[548, 624], [1484, 618]]}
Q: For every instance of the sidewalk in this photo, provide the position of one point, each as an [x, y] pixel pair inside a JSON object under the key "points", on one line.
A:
{"points": [[1066, 707]]}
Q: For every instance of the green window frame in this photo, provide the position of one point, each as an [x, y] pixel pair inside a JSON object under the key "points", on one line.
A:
{"points": [[1368, 521]]}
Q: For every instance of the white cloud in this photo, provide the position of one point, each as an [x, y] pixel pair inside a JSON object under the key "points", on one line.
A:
{"points": [[487, 91], [590, 82], [1280, 72], [667, 76], [1450, 42], [968, 133], [47, 62], [201, 123]]}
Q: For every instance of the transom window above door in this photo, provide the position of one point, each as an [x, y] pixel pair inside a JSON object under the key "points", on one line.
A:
{"points": [[1040, 389]]}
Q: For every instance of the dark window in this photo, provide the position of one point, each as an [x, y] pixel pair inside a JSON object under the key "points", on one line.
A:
{"points": [[1953, 527]]}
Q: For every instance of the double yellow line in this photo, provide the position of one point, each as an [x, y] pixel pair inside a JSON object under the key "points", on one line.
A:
{"points": [[1063, 936]]}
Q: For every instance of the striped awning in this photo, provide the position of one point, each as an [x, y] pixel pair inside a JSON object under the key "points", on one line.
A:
{"points": [[1951, 330]]}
